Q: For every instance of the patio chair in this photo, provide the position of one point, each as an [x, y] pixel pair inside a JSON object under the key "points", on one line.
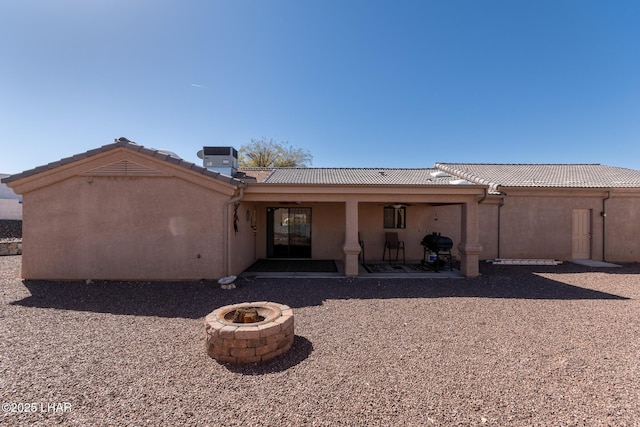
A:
{"points": [[391, 242], [361, 243]]}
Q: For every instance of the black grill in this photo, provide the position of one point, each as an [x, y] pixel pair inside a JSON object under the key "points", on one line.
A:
{"points": [[439, 245]]}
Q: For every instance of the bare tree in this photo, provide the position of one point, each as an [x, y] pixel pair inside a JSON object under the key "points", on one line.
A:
{"points": [[267, 154]]}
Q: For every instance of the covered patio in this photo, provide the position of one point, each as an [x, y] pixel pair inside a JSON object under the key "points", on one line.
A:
{"points": [[347, 219]]}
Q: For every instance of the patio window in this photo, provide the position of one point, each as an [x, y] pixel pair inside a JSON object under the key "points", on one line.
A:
{"points": [[395, 217]]}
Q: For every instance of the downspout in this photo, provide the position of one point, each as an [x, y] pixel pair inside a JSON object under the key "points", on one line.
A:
{"points": [[226, 253], [484, 196], [604, 224], [500, 222]]}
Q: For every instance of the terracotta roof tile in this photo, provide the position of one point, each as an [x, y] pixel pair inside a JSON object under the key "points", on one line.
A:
{"points": [[544, 175], [356, 176]]}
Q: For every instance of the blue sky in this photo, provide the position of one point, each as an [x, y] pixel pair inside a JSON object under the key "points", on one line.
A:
{"points": [[357, 83]]}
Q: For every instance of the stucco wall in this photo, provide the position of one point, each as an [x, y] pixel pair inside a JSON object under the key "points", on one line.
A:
{"points": [[488, 228], [541, 226], [242, 242], [327, 231], [124, 228], [622, 235]]}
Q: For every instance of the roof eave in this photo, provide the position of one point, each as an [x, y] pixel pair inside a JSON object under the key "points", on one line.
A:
{"points": [[15, 180]]}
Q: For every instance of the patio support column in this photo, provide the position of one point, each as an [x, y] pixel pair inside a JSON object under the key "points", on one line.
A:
{"points": [[351, 246], [470, 248]]}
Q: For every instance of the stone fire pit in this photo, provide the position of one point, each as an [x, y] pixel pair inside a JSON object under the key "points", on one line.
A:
{"points": [[249, 332]]}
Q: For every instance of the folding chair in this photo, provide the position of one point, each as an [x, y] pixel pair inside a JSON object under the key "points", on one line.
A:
{"points": [[391, 242]]}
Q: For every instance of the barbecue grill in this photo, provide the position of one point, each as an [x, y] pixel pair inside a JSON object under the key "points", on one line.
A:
{"points": [[440, 246]]}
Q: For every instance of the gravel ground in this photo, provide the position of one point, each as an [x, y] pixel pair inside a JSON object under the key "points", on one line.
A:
{"points": [[543, 346]]}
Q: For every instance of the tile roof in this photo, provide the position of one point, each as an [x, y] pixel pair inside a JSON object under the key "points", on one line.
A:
{"points": [[356, 176], [125, 143], [494, 176], [258, 174], [544, 175]]}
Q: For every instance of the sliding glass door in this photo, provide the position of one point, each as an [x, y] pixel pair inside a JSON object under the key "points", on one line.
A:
{"points": [[289, 232]]}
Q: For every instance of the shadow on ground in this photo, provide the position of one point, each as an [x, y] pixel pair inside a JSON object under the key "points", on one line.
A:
{"points": [[299, 351], [194, 300]]}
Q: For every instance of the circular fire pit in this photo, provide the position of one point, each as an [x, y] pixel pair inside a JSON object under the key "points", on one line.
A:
{"points": [[249, 332]]}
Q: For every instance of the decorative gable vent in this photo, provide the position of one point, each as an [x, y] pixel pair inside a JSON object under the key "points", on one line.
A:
{"points": [[124, 168]]}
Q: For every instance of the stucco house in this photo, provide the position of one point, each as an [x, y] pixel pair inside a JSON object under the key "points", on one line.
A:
{"points": [[126, 212]]}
